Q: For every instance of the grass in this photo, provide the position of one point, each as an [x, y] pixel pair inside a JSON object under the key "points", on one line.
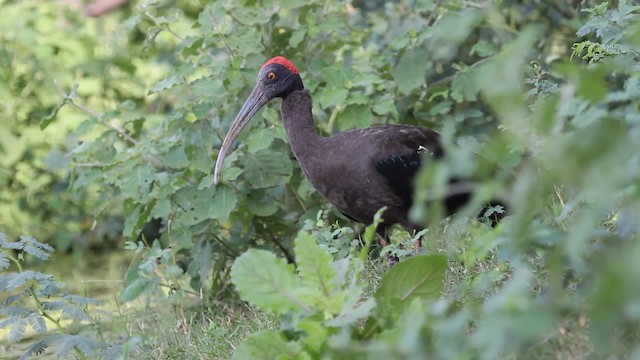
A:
{"points": [[203, 332]]}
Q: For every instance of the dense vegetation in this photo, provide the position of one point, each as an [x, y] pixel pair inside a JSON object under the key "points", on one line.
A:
{"points": [[111, 127]]}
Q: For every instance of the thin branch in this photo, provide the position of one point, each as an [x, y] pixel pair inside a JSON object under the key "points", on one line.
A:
{"points": [[284, 250], [176, 35], [432, 16], [559, 195], [97, 116]]}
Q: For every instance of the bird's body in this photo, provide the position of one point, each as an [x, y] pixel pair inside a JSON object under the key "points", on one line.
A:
{"points": [[359, 171]]}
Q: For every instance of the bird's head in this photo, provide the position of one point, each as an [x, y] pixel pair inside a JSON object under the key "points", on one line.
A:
{"points": [[278, 77]]}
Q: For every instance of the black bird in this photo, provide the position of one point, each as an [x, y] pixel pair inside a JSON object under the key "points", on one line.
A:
{"points": [[359, 171]]}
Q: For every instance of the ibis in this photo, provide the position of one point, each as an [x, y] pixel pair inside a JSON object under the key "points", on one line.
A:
{"points": [[359, 171]]}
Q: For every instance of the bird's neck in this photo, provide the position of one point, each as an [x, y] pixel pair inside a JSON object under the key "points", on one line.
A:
{"points": [[298, 122]]}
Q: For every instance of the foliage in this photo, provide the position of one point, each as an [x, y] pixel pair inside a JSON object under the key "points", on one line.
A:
{"points": [[31, 299], [48, 47], [536, 100], [321, 304]]}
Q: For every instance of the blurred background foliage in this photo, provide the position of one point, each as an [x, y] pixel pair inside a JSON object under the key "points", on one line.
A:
{"points": [[111, 127]]}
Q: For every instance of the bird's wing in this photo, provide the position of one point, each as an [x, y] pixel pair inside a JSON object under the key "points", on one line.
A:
{"points": [[401, 151]]}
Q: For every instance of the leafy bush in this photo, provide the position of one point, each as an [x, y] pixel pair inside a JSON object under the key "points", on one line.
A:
{"points": [[31, 298], [320, 304], [541, 97]]}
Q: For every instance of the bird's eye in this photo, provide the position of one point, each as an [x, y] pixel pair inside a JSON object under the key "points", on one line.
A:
{"points": [[271, 75]]}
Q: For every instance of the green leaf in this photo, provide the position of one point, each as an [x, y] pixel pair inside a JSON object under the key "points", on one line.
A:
{"points": [[296, 37], [193, 48], [261, 204], [316, 334], [354, 116], [46, 121], [136, 184], [130, 23], [385, 107], [507, 332], [207, 87], [352, 314], [411, 70], [259, 139], [4, 261], [136, 288], [176, 158], [267, 344], [590, 82], [267, 168], [483, 49], [166, 83], [464, 87], [224, 201], [267, 282], [292, 4], [36, 248], [314, 265], [193, 205], [417, 277], [332, 97]]}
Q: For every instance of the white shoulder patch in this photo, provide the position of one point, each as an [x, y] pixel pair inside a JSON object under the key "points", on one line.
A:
{"points": [[422, 149]]}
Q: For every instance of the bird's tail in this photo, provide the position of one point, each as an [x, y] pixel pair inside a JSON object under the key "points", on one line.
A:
{"points": [[459, 194]]}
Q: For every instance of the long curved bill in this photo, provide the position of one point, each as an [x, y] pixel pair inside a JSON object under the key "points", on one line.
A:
{"points": [[252, 105]]}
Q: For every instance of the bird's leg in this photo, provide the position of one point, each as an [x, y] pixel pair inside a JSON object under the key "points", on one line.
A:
{"points": [[382, 232], [414, 230]]}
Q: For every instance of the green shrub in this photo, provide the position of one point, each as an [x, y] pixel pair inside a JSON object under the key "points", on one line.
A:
{"points": [[538, 100], [31, 298]]}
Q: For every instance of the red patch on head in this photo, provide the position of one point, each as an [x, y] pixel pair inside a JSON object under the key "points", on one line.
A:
{"points": [[282, 61]]}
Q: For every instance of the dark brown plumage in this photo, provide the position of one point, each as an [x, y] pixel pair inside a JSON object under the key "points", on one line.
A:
{"points": [[359, 171]]}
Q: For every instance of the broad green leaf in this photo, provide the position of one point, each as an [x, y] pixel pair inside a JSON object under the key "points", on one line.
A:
{"points": [[316, 334], [464, 87], [354, 116], [259, 139], [352, 314], [261, 204], [267, 168], [176, 158], [136, 288], [267, 282], [232, 173], [296, 37], [192, 49], [166, 83], [411, 70], [407, 332], [193, 205], [507, 332], [207, 87], [314, 265], [136, 183], [419, 277], [267, 344], [386, 107], [332, 97], [506, 96], [224, 201], [483, 49], [292, 4], [590, 82]]}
